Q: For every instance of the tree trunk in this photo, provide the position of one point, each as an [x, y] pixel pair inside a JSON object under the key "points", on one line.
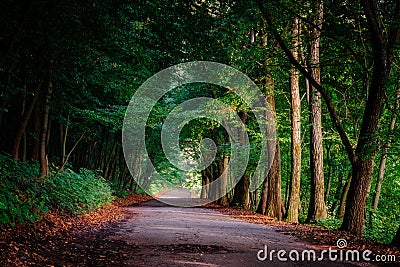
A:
{"points": [[382, 164], [330, 170], [271, 196], [343, 198], [271, 203], [317, 208], [383, 51], [274, 206], [36, 129], [353, 220], [262, 205], [211, 174], [383, 43], [205, 181], [24, 147], [103, 149], [241, 193], [339, 188], [222, 181], [379, 181], [241, 197], [295, 174], [43, 157], [108, 164], [69, 154], [253, 196], [64, 141], [24, 122]]}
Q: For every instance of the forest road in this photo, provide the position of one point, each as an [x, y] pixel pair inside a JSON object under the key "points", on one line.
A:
{"points": [[160, 235]]}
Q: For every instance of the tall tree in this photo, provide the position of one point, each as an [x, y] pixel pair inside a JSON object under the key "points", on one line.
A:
{"points": [[385, 150], [343, 198], [271, 203], [317, 207], [43, 155], [23, 123], [241, 195], [223, 180], [294, 194], [383, 42]]}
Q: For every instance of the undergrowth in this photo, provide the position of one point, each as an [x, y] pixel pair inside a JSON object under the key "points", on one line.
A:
{"points": [[26, 198], [378, 227]]}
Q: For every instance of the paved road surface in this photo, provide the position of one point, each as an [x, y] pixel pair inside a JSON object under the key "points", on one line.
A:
{"points": [[161, 235]]}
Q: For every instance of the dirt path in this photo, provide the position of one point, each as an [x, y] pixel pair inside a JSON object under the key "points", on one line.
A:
{"points": [[155, 234]]}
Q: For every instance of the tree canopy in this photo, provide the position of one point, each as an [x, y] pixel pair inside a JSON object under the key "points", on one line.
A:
{"points": [[69, 69]]}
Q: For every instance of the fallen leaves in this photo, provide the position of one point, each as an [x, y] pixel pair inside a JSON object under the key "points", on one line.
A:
{"points": [[65, 239], [313, 234]]}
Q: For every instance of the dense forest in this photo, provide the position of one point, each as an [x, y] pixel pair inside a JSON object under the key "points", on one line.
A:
{"points": [[329, 70]]}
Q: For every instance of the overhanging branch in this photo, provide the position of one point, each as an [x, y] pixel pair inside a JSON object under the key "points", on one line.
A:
{"points": [[315, 84]]}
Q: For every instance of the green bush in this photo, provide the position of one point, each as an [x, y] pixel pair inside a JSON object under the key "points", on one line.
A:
{"points": [[381, 226], [25, 197], [78, 192], [329, 223], [19, 199], [118, 192]]}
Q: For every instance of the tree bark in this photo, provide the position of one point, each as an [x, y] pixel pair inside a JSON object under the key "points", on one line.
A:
{"points": [[274, 206], [241, 197], [295, 174], [241, 193], [271, 203], [343, 198], [64, 141], [69, 154], [24, 122], [317, 208], [262, 205], [111, 156], [36, 129], [271, 197], [205, 181], [338, 191], [330, 170], [212, 188], [223, 181], [43, 157]]}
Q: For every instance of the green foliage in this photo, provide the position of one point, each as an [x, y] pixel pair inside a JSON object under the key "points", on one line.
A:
{"points": [[24, 197], [382, 226], [78, 192], [19, 198], [383, 223], [330, 223], [118, 192], [102, 52]]}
